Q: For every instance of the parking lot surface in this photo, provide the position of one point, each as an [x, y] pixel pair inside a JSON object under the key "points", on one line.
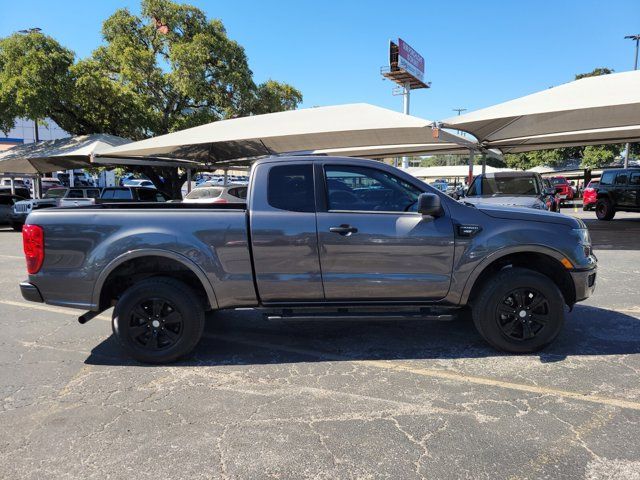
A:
{"points": [[327, 399]]}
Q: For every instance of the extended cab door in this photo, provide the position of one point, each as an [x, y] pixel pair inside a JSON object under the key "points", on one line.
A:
{"points": [[283, 232], [373, 244]]}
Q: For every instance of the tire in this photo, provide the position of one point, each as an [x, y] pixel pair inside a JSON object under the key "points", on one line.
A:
{"points": [[158, 320], [605, 209], [510, 320]]}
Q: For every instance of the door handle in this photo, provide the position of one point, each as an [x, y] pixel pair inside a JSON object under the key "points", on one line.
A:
{"points": [[344, 230]]}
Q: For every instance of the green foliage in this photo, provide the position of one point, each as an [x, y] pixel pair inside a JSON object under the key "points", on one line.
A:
{"points": [[167, 69], [596, 72], [597, 156]]}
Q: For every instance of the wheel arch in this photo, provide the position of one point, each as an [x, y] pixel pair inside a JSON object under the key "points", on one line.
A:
{"points": [[196, 276], [533, 257]]}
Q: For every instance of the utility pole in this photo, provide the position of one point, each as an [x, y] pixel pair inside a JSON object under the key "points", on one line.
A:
{"points": [[635, 38]]}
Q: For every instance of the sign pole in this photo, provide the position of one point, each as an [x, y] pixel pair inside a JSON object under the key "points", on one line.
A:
{"points": [[406, 104]]}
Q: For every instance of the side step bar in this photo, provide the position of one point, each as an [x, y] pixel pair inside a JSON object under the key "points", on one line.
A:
{"points": [[348, 314]]}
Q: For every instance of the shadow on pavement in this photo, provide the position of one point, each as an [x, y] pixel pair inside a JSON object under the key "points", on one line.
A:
{"points": [[617, 234], [245, 338]]}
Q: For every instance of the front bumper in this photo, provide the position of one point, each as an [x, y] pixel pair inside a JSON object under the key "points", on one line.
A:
{"points": [[584, 282], [30, 292]]}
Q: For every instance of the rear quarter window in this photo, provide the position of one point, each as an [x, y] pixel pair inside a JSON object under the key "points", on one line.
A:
{"points": [[290, 187], [607, 178]]}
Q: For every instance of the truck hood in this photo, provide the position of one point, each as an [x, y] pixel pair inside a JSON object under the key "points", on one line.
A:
{"points": [[507, 201], [530, 214]]}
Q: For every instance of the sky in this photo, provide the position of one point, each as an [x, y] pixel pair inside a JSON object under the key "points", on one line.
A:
{"points": [[477, 53]]}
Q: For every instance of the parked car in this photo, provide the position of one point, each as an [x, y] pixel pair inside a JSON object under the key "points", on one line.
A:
{"points": [[563, 188], [79, 179], [589, 195], [551, 200], [49, 182], [214, 194], [511, 189], [132, 194], [19, 191], [7, 201], [52, 198], [618, 191], [138, 182], [319, 236]]}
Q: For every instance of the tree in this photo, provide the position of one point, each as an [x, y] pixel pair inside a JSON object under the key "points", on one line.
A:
{"points": [[168, 69], [598, 156]]}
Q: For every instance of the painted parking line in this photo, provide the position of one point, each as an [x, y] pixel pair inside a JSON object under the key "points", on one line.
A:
{"points": [[391, 365], [12, 257]]}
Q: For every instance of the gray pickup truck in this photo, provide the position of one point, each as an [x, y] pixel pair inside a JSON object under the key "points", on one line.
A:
{"points": [[318, 237]]}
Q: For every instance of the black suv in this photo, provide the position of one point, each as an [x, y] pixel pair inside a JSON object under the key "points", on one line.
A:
{"points": [[619, 191]]}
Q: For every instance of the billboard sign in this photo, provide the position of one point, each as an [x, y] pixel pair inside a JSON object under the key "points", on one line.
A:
{"points": [[410, 60]]}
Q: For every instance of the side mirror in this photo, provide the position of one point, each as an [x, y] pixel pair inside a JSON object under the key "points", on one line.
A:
{"points": [[429, 204]]}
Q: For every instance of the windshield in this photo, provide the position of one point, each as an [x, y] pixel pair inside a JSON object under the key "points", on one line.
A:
{"points": [[558, 181], [204, 192], [507, 185], [55, 193]]}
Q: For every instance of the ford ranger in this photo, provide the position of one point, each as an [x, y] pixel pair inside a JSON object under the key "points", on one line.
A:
{"points": [[317, 237]]}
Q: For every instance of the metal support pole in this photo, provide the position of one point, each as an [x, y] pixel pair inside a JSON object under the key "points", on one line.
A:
{"points": [[406, 95], [484, 166], [188, 180], [72, 182], [226, 177], [36, 132], [472, 152], [635, 67], [13, 185]]}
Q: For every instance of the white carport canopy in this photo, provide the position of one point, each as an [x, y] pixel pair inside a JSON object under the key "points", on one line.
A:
{"points": [[353, 130], [52, 155], [593, 110]]}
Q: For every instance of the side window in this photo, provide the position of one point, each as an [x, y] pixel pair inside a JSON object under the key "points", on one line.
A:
{"points": [[621, 179], [121, 195], [75, 193], [160, 197], [607, 178], [368, 190], [147, 195], [93, 193], [290, 187], [107, 194], [635, 179]]}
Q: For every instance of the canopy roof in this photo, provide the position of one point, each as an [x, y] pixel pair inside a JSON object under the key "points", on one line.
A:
{"points": [[353, 129], [52, 155], [451, 171], [592, 110]]}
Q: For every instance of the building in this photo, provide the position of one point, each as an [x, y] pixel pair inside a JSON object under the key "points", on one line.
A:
{"points": [[24, 132]]}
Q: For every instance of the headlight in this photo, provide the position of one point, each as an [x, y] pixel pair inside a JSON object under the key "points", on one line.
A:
{"points": [[583, 236]]}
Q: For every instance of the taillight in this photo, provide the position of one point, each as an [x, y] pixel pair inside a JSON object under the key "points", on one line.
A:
{"points": [[220, 200], [33, 244]]}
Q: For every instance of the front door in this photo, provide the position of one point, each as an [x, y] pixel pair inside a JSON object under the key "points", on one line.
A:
{"points": [[373, 244]]}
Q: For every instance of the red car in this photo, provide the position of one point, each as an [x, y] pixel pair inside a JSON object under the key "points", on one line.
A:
{"points": [[563, 188], [589, 196]]}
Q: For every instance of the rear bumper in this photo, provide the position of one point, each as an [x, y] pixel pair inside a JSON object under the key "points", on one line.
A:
{"points": [[584, 282], [30, 292]]}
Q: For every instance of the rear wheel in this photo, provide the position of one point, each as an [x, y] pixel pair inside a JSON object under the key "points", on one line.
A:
{"points": [[158, 320], [519, 311], [605, 209]]}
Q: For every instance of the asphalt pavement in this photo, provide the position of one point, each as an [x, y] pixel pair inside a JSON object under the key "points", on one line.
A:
{"points": [[327, 399]]}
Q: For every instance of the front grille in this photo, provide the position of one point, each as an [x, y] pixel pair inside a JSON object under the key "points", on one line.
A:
{"points": [[21, 207]]}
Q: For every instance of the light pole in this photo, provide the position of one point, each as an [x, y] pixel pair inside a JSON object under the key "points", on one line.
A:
{"points": [[635, 38]]}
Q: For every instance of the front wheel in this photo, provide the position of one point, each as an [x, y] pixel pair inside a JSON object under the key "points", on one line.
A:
{"points": [[605, 209], [519, 311], [158, 320]]}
